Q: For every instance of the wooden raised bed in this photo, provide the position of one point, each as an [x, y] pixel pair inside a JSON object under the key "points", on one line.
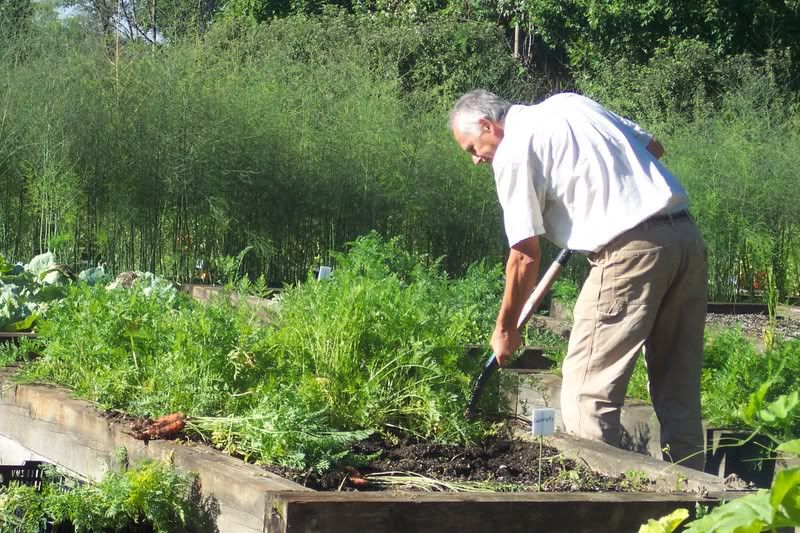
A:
{"points": [[204, 293], [733, 308], [71, 433], [15, 335], [462, 513]]}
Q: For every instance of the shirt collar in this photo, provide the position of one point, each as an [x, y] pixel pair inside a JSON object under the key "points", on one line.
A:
{"points": [[503, 151]]}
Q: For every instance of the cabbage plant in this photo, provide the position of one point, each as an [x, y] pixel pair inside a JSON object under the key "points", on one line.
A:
{"points": [[27, 291]]}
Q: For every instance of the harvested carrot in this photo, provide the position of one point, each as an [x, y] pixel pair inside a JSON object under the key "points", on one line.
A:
{"points": [[358, 482], [165, 427], [167, 431], [169, 419], [355, 477]]}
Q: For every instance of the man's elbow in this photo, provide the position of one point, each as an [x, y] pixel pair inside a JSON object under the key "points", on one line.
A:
{"points": [[527, 251], [655, 148]]}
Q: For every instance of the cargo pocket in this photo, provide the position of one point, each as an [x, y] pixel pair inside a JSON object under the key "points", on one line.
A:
{"points": [[609, 305], [609, 311], [639, 277]]}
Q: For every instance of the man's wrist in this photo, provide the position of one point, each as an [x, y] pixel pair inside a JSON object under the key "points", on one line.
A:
{"points": [[504, 324]]}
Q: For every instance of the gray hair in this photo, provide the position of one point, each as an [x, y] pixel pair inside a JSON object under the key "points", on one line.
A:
{"points": [[474, 106]]}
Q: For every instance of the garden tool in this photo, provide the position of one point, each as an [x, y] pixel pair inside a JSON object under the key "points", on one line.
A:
{"points": [[528, 309]]}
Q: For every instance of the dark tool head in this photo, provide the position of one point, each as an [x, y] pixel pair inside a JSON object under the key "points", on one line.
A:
{"points": [[533, 302], [488, 369]]}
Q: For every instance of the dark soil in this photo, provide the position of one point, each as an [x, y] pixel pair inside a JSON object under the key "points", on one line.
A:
{"points": [[754, 325], [113, 415], [502, 462]]}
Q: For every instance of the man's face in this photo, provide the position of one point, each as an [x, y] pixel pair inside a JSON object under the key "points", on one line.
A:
{"points": [[483, 146]]}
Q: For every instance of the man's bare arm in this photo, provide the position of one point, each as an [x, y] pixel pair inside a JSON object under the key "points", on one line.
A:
{"points": [[522, 270]]}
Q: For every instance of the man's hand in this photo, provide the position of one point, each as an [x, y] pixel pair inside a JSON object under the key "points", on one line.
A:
{"points": [[504, 343], [522, 268]]}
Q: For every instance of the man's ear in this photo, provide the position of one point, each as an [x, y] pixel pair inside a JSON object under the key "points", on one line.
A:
{"points": [[485, 124]]}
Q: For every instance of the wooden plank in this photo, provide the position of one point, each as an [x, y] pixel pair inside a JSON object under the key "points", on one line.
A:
{"points": [[731, 308], [265, 307], [14, 337], [466, 513], [17, 334]]}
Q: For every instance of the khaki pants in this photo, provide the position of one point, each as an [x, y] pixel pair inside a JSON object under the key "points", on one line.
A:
{"points": [[646, 289]]}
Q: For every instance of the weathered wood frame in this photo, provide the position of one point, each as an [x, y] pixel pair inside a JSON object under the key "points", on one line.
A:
{"points": [[71, 433]]}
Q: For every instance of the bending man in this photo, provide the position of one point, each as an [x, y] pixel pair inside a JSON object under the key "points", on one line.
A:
{"points": [[586, 179]]}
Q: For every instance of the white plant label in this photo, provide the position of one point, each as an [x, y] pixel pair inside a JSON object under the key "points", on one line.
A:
{"points": [[324, 272], [543, 421]]}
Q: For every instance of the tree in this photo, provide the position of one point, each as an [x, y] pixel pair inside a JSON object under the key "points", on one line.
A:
{"points": [[15, 17]]}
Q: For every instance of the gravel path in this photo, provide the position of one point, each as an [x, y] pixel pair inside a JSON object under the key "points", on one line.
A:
{"points": [[753, 325]]}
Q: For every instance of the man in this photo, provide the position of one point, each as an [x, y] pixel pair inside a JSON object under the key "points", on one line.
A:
{"points": [[586, 179]]}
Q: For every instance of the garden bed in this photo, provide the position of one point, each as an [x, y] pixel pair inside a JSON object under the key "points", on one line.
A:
{"points": [[376, 351], [73, 434], [501, 463]]}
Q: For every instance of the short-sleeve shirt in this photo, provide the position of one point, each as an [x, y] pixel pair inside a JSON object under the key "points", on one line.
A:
{"points": [[579, 175]]}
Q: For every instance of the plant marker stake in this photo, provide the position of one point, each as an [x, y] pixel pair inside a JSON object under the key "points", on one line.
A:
{"points": [[543, 422], [540, 462], [528, 309]]}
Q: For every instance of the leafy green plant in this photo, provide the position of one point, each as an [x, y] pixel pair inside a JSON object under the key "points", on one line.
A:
{"points": [[771, 294], [24, 349], [26, 293], [152, 492], [380, 347], [382, 343], [733, 364], [639, 385], [257, 288], [777, 419], [228, 267], [665, 524], [281, 431], [766, 510], [5, 266], [94, 276], [566, 292], [536, 334]]}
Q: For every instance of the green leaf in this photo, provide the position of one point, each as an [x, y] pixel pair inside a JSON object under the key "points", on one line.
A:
{"points": [[785, 494], [93, 275], [48, 293], [791, 447], [781, 409], [665, 524], [748, 514], [24, 324], [52, 277], [754, 404]]}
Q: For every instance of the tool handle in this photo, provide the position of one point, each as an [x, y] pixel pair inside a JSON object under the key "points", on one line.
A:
{"points": [[536, 297], [528, 309]]}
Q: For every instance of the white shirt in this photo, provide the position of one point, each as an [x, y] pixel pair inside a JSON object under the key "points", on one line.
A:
{"points": [[578, 174]]}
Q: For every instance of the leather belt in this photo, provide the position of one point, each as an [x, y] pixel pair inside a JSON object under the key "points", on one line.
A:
{"points": [[658, 219]]}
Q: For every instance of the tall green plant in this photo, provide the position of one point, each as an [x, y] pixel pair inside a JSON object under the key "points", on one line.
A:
{"points": [[739, 199], [379, 347]]}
